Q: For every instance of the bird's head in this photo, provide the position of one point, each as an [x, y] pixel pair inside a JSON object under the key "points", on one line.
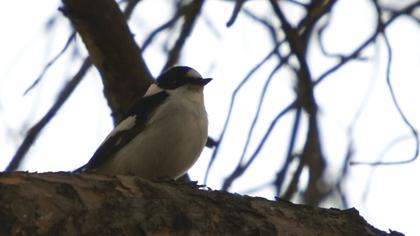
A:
{"points": [[179, 76]]}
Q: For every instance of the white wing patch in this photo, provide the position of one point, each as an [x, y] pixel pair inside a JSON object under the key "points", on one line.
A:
{"points": [[126, 124]]}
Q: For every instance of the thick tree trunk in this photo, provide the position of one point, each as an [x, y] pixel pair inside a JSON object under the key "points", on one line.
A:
{"points": [[84, 204], [112, 49]]}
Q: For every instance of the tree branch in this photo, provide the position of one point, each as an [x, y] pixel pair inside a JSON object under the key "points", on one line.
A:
{"points": [[190, 17], [33, 133], [83, 204], [112, 49]]}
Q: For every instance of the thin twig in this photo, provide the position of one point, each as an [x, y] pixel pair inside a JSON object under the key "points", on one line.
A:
{"points": [[369, 40], [298, 3], [380, 157], [293, 185], [271, 29], [241, 169], [232, 103], [319, 35], [280, 176], [210, 26], [236, 10], [180, 12], [258, 111], [381, 29], [50, 63], [33, 133], [190, 19]]}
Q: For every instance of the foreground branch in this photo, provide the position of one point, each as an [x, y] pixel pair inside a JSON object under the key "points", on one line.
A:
{"points": [[82, 204]]}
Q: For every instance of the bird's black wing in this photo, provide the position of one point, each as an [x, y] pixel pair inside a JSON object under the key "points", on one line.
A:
{"points": [[141, 111]]}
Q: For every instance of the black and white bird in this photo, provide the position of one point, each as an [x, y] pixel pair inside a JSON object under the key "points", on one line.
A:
{"points": [[163, 133]]}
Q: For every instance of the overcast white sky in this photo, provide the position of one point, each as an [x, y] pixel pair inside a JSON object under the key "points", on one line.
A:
{"points": [[393, 196]]}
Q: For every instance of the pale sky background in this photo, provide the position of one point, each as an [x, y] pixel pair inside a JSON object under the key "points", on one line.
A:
{"points": [[80, 126]]}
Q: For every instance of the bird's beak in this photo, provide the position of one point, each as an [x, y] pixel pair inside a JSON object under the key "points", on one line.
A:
{"points": [[204, 81]]}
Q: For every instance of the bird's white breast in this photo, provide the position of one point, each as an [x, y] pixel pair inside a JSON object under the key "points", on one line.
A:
{"points": [[170, 143]]}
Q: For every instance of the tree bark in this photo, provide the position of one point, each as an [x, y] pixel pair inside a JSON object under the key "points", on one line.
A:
{"points": [[111, 46], [84, 204]]}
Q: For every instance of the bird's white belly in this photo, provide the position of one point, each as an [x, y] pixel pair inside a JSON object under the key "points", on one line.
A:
{"points": [[169, 149]]}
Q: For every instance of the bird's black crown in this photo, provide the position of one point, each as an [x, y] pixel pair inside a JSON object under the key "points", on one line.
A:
{"points": [[180, 75]]}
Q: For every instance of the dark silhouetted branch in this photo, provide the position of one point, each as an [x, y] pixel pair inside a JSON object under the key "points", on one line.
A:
{"points": [[112, 49], [33, 132], [178, 14], [292, 188], [381, 29], [232, 103], [50, 63], [236, 10], [258, 110], [241, 169], [280, 176], [358, 50], [190, 18]]}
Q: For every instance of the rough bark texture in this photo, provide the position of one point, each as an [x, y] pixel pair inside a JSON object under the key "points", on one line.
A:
{"points": [[112, 49], [83, 204]]}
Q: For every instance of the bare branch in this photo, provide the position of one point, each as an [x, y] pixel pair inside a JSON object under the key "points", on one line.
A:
{"points": [[232, 103], [241, 164], [50, 63], [320, 33], [33, 133], [280, 176], [293, 185], [381, 29], [190, 18], [242, 168], [180, 12], [358, 50], [380, 157], [258, 110], [298, 47], [236, 10], [112, 49], [298, 40]]}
